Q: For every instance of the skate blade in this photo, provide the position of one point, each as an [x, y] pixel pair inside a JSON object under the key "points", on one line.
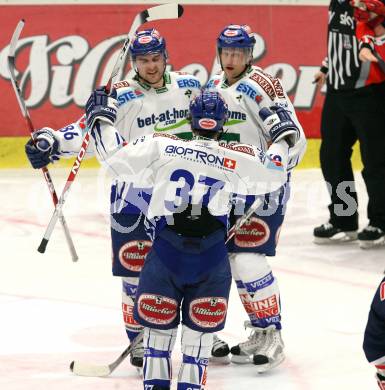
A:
{"points": [[339, 238], [220, 359], [268, 366], [237, 359], [372, 244]]}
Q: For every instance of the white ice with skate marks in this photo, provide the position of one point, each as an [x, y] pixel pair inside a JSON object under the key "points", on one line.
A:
{"points": [[54, 311]]}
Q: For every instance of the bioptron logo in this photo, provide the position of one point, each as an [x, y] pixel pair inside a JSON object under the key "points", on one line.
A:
{"points": [[202, 157]]}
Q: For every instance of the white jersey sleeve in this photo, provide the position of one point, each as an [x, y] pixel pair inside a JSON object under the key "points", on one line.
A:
{"points": [[245, 98], [70, 139], [198, 172], [264, 90]]}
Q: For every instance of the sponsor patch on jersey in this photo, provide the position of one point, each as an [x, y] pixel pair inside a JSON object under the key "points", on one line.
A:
{"points": [[133, 253], [212, 83], [274, 162], [121, 84], [129, 95], [167, 135], [208, 312], [201, 156], [165, 121], [157, 309], [382, 291], [188, 82], [243, 148], [250, 92], [207, 123], [253, 233]]}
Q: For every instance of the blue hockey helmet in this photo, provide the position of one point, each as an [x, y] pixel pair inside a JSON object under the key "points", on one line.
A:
{"points": [[208, 112], [147, 42], [236, 38], [235, 35]]}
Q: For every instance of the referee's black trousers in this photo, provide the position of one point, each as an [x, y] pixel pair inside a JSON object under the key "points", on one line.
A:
{"points": [[349, 116]]}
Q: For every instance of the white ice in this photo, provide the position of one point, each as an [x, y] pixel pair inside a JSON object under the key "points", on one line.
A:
{"points": [[53, 311]]}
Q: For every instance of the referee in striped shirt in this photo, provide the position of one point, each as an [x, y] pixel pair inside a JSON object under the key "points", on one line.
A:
{"points": [[354, 109]]}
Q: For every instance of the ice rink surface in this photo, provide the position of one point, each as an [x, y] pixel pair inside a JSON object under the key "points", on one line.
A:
{"points": [[54, 311]]}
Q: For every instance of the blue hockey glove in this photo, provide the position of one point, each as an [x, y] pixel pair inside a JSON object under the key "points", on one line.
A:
{"points": [[279, 124], [101, 106], [43, 149]]}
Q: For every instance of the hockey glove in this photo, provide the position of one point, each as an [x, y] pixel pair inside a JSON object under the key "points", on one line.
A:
{"points": [[278, 123], [101, 106], [43, 148]]}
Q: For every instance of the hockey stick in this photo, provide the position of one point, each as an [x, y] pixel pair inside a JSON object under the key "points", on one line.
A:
{"points": [[24, 111], [164, 11], [241, 221], [88, 369], [381, 62]]}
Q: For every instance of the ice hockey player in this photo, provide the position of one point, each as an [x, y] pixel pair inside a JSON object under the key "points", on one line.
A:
{"points": [[374, 338], [247, 89], [186, 276], [154, 100]]}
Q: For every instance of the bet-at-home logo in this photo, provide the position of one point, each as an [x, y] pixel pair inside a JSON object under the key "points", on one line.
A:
{"points": [[165, 121]]}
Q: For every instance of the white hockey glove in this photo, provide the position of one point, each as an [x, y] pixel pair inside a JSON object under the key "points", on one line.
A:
{"points": [[278, 123], [101, 106], [42, 148]]}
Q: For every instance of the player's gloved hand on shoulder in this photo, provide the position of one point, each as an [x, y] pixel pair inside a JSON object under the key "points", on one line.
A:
{"points": [[42, 148], [278, 123], [101, 107]]}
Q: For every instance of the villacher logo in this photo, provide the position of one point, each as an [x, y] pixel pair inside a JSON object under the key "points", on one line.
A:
{"points": [[201, 156]]}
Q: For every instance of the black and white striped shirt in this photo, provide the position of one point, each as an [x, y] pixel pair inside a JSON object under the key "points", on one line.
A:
{"points": [[343, 67]]}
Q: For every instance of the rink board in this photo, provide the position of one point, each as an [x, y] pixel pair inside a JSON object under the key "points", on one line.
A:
{"points": [[66, 50]]}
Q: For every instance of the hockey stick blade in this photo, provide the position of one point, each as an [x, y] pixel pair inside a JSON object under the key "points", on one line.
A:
{"points": [[87, 369]]}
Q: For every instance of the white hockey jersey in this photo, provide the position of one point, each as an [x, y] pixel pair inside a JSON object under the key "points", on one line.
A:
{"points": [[198, 172], [142, 110], [245, 99]]}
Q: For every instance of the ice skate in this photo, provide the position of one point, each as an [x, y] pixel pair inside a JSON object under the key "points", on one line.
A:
{"points": [[371, 237], [243, 352], [328, 234], [136, 357], [220, 351], [271, 354]]}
